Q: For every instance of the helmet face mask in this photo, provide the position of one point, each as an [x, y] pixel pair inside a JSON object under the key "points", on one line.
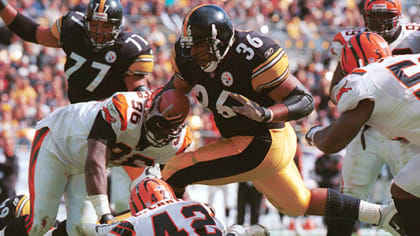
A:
{"points": [[207, 37], [383, 17], [103, 22]]}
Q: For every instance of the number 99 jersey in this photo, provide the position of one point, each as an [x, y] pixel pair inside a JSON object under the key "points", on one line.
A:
{"points": [[253, 67], [97, 74]]}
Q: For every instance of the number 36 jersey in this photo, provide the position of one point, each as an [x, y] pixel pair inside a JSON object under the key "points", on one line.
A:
{"points": [[393, 84], [253, 67], [117, 122], [96, 75]]}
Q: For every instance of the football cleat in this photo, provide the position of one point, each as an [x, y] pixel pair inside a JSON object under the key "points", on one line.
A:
{"points": [[257, 230], [390, 220]]}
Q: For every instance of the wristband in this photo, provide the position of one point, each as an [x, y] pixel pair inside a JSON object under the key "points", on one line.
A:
{"points": [[101, 204], [268, 115], [3, 4]]}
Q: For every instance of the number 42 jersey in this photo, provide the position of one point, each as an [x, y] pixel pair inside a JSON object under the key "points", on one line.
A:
{"points": [[393, 84], [166, 217]]}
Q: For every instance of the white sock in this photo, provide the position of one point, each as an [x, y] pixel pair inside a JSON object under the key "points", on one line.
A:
{"points": [[369, 212]]}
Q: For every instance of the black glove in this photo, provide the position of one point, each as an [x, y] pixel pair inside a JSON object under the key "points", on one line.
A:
{"points": [[108, 219], [251, 109], [3, 4]]}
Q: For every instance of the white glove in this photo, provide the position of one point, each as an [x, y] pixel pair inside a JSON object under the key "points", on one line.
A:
{"points": [[251, 109], [311, 133]]}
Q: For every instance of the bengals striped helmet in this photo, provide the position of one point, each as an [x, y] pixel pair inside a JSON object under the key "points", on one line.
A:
{"points": [[362, 49], [148, 192], [383, 17]]}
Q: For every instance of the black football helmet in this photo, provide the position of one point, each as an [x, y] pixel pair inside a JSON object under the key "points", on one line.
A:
{"points": [[110, 11], [211, 25]]}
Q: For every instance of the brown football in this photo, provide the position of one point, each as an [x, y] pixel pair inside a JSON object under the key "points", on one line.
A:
{"points": [[180, 102]]}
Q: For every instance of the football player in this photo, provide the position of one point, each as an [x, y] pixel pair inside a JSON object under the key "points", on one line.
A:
{"points": [[243, 78], [156, 211], [369, 150], [385, 96], [101, 58], [74, 145]]}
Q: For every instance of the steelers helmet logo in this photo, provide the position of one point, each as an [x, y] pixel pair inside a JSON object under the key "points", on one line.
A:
{"points": [[227, 79], [110, 57]]}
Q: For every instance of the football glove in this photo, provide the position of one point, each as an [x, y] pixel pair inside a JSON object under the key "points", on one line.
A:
{"points": [[251, 109], [108, 219], [311, 133]]}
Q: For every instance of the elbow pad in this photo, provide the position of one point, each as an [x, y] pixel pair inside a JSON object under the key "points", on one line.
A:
{"points": [[24, 27], [299, 102]]}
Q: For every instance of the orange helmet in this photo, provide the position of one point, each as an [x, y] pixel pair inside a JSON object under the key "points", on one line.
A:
{"points": [[148, 192], [362, 49], [383, 17]]}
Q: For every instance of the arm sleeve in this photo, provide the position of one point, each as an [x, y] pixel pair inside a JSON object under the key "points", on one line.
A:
{"points": [[102, 131]]}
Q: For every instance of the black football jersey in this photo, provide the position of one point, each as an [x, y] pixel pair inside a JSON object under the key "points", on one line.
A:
{"points": [[254, 66], [96, 75]]}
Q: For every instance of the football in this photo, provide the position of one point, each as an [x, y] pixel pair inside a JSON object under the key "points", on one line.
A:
{"points": [[180, 102]]}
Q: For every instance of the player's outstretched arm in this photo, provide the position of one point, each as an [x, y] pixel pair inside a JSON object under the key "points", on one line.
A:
{"points": [[25, 27]]}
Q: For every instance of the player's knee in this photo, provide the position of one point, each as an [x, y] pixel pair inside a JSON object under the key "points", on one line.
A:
{"points": [[42, 226]]}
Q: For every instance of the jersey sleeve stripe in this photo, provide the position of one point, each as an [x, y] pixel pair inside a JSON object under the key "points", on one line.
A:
{"points": [[120, 104], [173, 61], [56, 29], [268, 63], [274, 82], [274, 73], [140, 68]]}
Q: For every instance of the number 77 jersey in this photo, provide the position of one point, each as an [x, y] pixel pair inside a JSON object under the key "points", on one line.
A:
{"points": [[393, 84], [97, 74]]}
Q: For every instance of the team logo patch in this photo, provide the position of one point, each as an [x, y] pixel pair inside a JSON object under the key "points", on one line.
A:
{"points": [[110, 57], [108, 116], [227, 79], [268, 53], [343, 89]]}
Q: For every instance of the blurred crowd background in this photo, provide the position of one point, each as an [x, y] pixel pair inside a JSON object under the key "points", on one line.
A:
{"points": [[33, 83]]}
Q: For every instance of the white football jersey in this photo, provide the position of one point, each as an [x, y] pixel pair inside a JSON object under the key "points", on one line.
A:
{"points": [[168, 217], [71, 125], [393, 83], [408, 41]]}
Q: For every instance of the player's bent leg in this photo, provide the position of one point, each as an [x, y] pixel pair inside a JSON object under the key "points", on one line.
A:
{"points": [[286, 191], [79, 208], [405, 191], [47, 182], [236, 159]]}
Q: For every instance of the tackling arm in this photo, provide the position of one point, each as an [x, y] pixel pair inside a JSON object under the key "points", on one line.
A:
{"points": [[336, 136], [25, 27]]}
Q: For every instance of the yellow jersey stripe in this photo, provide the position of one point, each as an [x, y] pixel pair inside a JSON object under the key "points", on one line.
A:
{"points": [[270, 62], [101, 6], [271, 74]]}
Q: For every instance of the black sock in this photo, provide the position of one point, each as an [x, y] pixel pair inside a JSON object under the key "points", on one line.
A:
{"points": [[339, 227], [408, 210], [341, 205]]}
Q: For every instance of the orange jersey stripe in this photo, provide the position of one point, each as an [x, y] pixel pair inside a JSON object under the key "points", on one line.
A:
{"points": [[120, 103]]}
